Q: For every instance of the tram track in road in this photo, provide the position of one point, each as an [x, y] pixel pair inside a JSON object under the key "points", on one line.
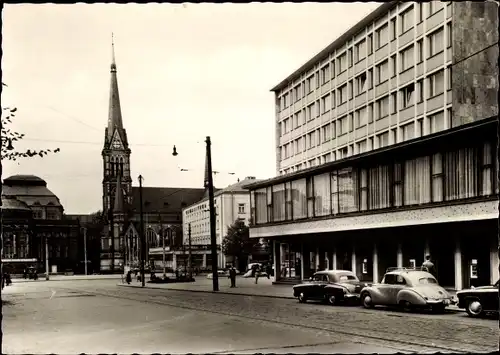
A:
{"points": [[356, 333]]}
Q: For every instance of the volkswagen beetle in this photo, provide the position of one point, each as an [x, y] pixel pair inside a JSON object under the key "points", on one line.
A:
{"points": [[407, 288], [332, 286]]}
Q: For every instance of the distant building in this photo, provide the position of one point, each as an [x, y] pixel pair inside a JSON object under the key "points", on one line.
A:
{"points": [[33, 217], [386, 149]]}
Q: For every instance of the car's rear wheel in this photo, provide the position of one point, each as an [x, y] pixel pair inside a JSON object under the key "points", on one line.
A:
{"points": [[367, 300], [302, 297], [406, 306], [332, 300], [474, 308]]}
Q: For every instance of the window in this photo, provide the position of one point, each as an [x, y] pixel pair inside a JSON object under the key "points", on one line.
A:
{"points": [[450, 34], [332, 68], [37, 213], [437, 177], [335, 192], [260, 206], [394, 102], [436, 122], [298, 92], [460, 174], [288, 201], [311, 140], [351, 89], [417, 181], [325, 103], [420, 85], [370, 113], [362, 147], [322, 195], [420, 11], [397, 185], [436, 83], [408, 131], [351, 122], [317, 79], [361, 117], [382, 107], [349, 53], [342, 126], [318, 136], [394, 65], [486, 183], [342, 94], [310, 84], [436, 42], [299, 198], [383, 139], [382, 72], [341, 62], [269, 204], [370, 44], [435, 6], [360, 50], [310, 114], [382, 36], [361, 83], [326, 133], [407, 58], [407, 96], [332, 100], [347, 194], [278, 202], [370, 79], [393, 29], [407, 20], [363, 189], [52, 214], [379, 187], [325, 74], [449, 77], [420, 50]]}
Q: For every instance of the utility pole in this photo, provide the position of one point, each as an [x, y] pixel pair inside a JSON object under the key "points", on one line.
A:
{"points": [[189, 258], [163, 245], [213, 236], [46, 257], [143, 246], [85, 248]]}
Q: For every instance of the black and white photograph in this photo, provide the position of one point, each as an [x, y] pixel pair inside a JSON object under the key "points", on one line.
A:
{"points": [[242, 178]]}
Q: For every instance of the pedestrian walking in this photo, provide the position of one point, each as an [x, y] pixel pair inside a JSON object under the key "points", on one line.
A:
{"points": [[269, 270], [232, 276], [128, 278], [257, 273]]}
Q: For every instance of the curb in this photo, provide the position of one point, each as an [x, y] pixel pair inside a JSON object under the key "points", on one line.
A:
{"points": [[454, 309], [205, 291], [42, 279]]}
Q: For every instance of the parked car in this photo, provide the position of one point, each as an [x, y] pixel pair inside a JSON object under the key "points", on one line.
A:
{"points": [[478, 301], [220, 273], [332, 286], [408, 288]]}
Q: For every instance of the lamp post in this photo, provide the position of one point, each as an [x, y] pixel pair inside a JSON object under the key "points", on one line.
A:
{"points": [[85, 248], [213, 236], [143, 244], [189, 257]]}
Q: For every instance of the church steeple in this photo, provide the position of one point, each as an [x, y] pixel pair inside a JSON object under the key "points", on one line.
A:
{"points": [[119, 204], [115, 112]]}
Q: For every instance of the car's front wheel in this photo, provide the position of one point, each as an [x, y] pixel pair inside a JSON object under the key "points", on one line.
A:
{"points": [[332, 300], [474, 308], [367, 300], [302, 297]]}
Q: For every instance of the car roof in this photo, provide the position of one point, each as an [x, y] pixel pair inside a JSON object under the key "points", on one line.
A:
{"points": [[411, 274], [334, 272]]}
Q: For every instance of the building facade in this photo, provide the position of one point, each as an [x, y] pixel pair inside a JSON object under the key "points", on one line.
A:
{"points": [[35, 227], [231, 204], [396, 126]]}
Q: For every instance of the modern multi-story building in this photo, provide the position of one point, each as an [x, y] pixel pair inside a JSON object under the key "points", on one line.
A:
{"points": [[231, 204], [386, 148]]}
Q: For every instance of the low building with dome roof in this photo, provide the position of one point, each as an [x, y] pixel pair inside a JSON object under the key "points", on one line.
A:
{"points": [[33, 216]]}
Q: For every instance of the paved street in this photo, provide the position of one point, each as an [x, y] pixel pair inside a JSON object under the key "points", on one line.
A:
{"points": [[99, 316]]}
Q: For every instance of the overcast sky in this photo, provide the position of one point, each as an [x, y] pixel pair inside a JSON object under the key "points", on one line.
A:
{"points": [[184, 72]]}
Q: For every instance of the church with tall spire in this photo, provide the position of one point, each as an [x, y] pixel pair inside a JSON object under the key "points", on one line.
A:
{"points": [[162, 206]]}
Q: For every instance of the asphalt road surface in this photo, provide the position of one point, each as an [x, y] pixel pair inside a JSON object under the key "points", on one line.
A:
{"points": [[98, 316]]}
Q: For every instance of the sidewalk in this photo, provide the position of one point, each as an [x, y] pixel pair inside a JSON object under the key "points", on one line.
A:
{"points": [[244, 287], [41, 277]]}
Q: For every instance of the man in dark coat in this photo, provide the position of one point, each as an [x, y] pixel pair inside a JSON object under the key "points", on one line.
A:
{"points": [[232, 276]]}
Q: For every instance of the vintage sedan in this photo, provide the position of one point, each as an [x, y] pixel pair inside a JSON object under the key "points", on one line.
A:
{"points": [[478, 301], [407, 288], [332, 286]]}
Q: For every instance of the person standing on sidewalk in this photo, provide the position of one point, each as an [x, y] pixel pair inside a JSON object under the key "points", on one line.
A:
{"points": [[257, 273], [429, 265], [232, 276]]}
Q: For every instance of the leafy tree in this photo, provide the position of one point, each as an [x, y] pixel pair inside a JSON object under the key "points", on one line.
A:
{"points": [[237, 242]]}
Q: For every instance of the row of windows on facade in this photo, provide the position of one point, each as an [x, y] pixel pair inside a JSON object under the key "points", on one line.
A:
{"points": [[116, 166], [447, 176], [408, 57], [202, 211], [21, 250], [46, 213], [328, 132]]}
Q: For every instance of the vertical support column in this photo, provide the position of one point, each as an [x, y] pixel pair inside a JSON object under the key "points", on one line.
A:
{"points": [[458, 266], [302, 270], [174, 261], [334, 259], [316, 259], [427, 249], [494, 264], [276, 261], [203, 262], [353, 259], [327, 261], [375, 263], [399, 259]]}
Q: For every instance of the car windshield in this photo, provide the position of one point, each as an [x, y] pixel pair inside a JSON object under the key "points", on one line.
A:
{"points": [[427, 280], [347, 278]]}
